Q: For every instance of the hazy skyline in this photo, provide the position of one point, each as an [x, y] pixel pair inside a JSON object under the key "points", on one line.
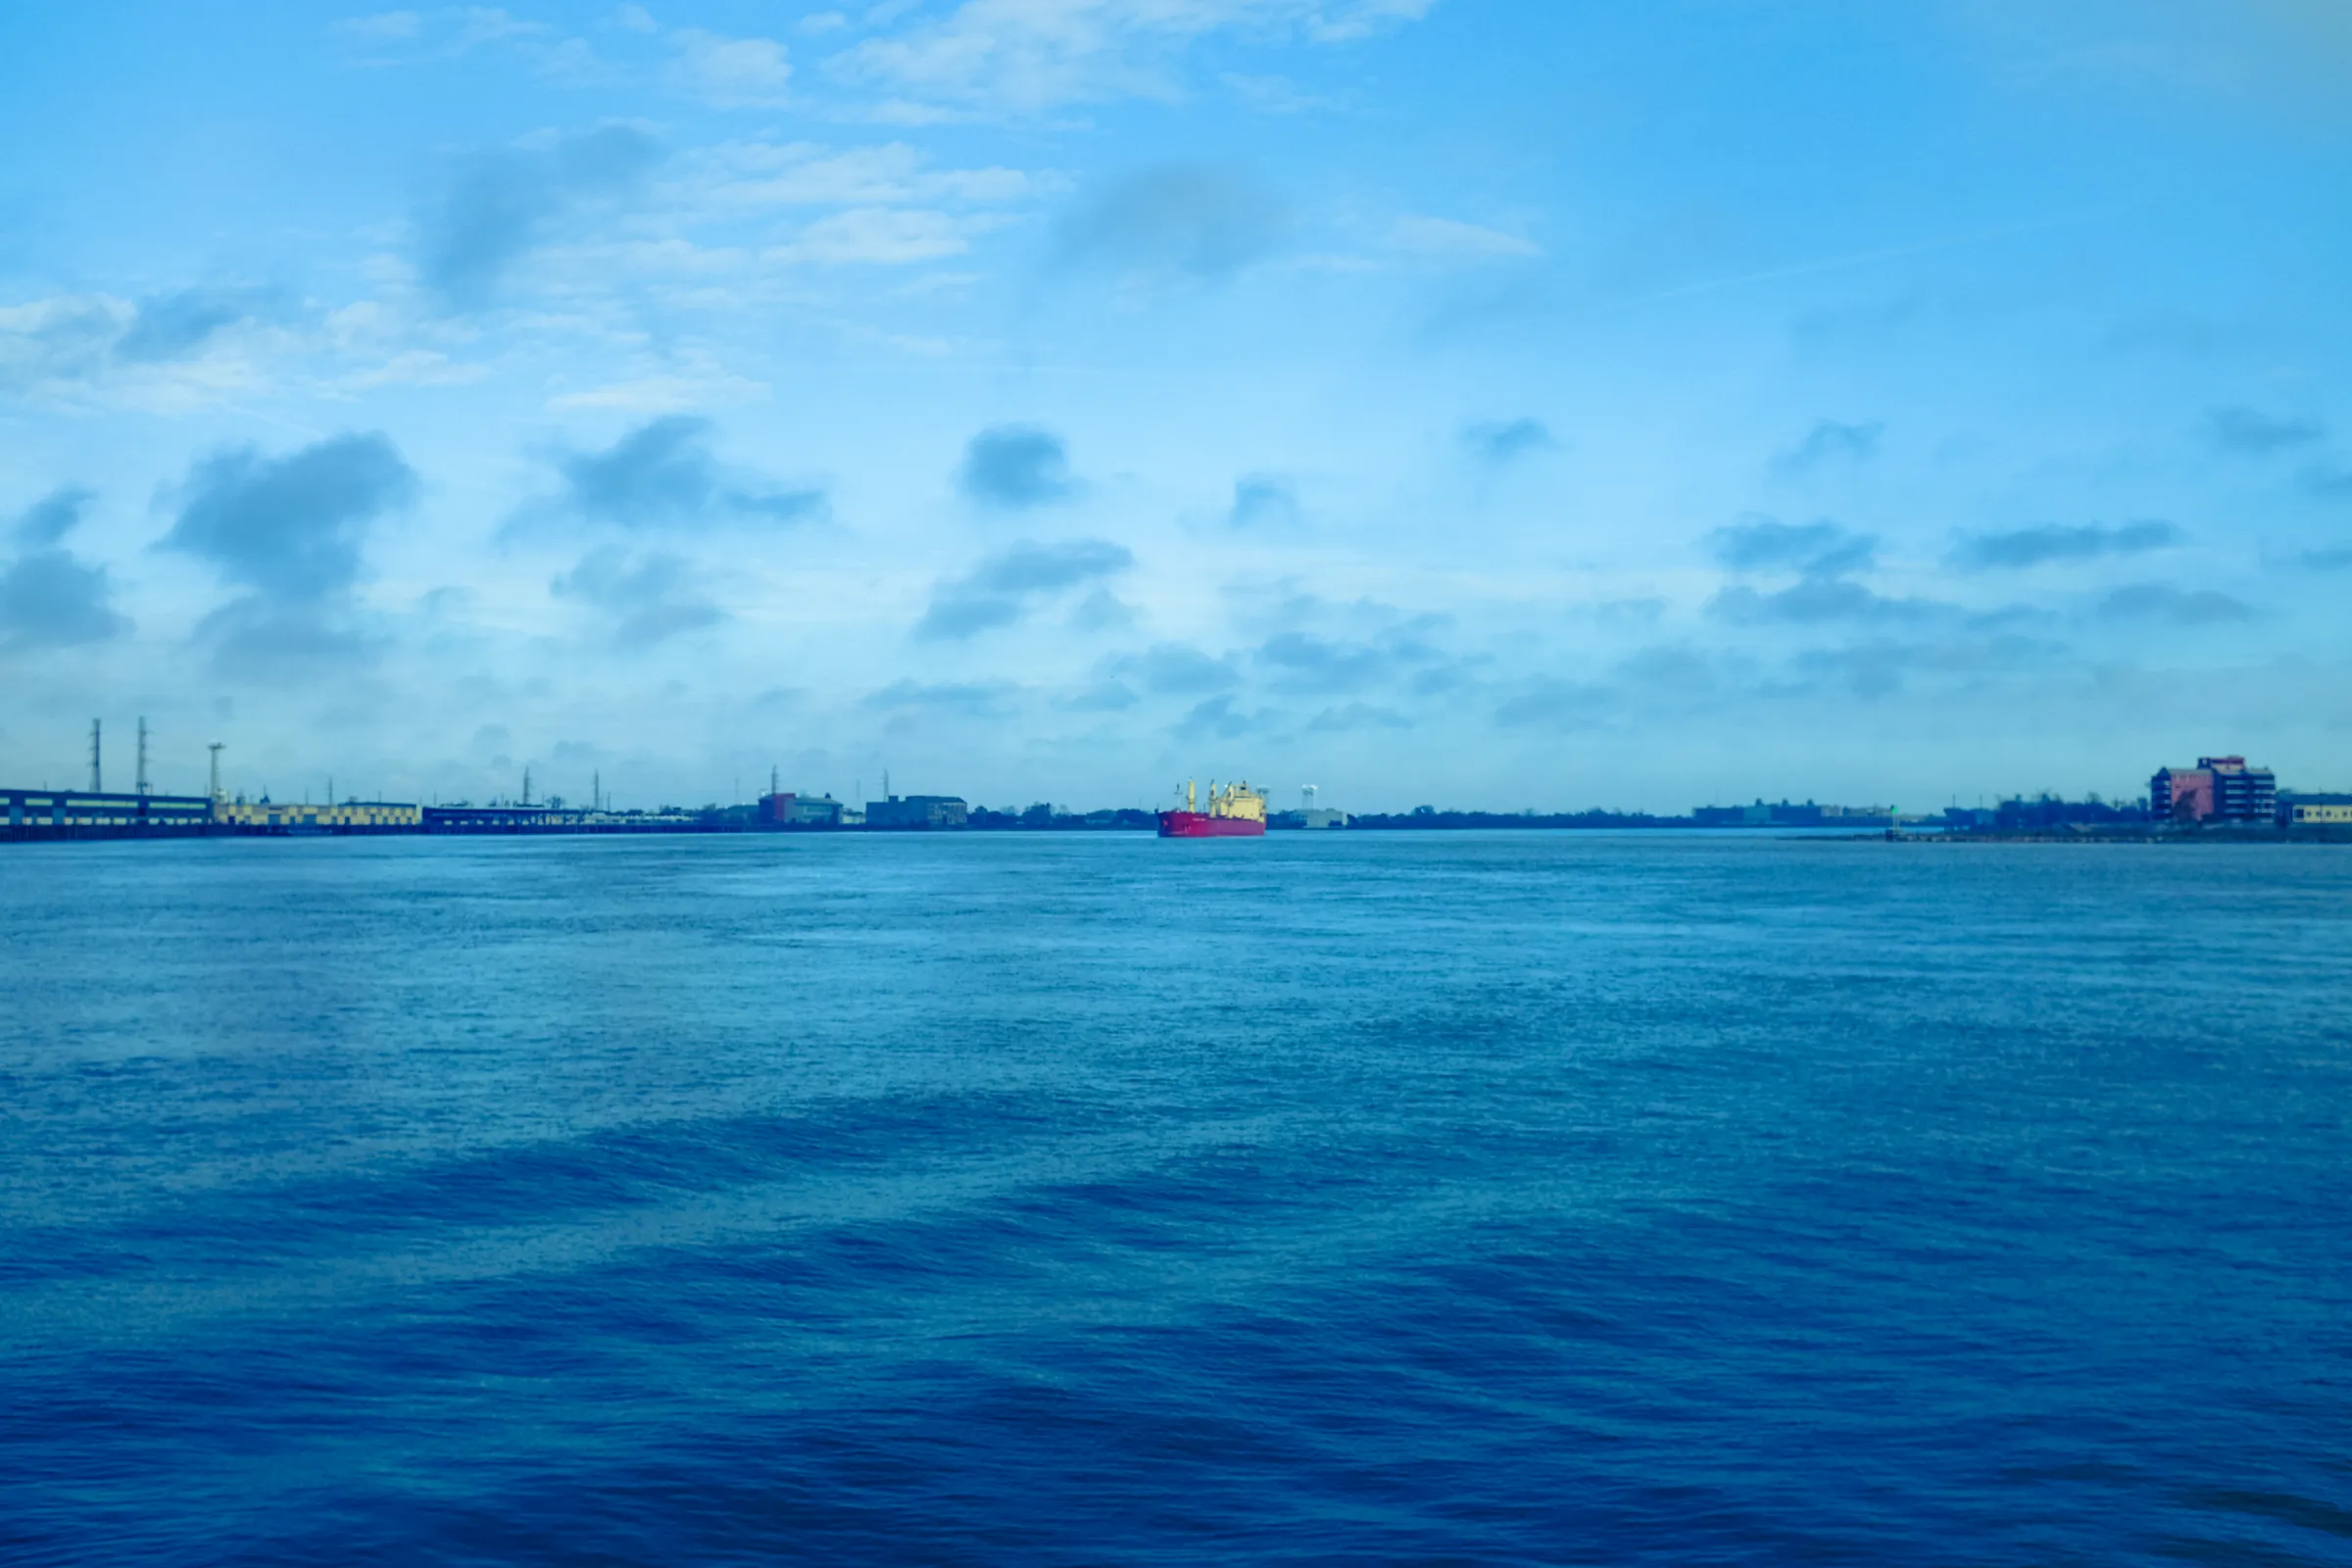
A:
{"points": [[1432, 400]]}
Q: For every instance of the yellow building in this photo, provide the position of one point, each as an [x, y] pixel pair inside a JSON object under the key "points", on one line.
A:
{"points": [[286, 816], [2316, 811]]}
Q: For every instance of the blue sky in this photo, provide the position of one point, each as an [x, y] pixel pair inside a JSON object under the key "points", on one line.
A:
{"points": [[1433, 400]]}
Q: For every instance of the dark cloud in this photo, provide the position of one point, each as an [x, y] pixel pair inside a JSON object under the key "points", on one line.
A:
{"points": [[662, 474], [1102, 610], [1829, 441], [1303, 659], [171, 327], [2034, 547], [2249, 432], [1496, 442], [999, 591], [1016, 467], [67, 342], [976, 698], [1177, 222], [1356, 717], [290, 528], [1175, 670], [49, 519], [954, 617], [1028, 569], [1819, 600], [50, 600], [1217, 718], [1262, 501], [1104, 697], [502, 203], [1549, 701], [2177, 606], [257, 638], [649, 598], [1669, 667], [2329, 483], [1819, 549], [2325, 559], [1879, 665]]}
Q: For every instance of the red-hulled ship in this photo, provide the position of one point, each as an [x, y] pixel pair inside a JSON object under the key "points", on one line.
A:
{"points": [[1236, 812]]}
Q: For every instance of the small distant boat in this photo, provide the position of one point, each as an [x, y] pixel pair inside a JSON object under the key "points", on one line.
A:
{"points": [[1236, 812]]}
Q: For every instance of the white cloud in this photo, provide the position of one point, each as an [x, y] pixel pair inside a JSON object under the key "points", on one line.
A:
{"points": [[58, 341], [886, 236], [1448, 240], [1360, 18], [664, 393], [385, 26], [483, 25], [753, 175], [417, 368], [1025, 56], [732, 73], [573, 64], [1273, 95]]}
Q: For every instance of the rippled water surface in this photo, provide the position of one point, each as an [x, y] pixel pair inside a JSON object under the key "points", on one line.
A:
{"points": [[1061, 1200]]}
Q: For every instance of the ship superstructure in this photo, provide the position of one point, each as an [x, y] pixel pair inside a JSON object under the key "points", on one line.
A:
{"points": [[1236, 812]]}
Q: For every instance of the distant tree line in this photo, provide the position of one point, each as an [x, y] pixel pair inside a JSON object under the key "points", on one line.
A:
{"points": [[1428, 817]]}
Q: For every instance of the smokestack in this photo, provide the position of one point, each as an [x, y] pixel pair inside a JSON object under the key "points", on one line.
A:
{"points": [[142, 753], [97, 775]]}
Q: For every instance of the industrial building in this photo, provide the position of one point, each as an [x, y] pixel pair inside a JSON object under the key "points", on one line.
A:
{"points": [[88, 813], [916, 811], [786, 809], [2219, 789], [351, 816], [1784, 814], [1312, 814], [2315, 811]]}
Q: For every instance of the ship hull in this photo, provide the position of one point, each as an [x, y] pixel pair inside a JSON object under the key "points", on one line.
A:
{"points": [[1201, 825]]}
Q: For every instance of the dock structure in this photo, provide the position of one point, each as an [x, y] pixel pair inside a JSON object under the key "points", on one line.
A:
{"points": [[351, 816], [558, 820], [34, 814], [93, 814]]}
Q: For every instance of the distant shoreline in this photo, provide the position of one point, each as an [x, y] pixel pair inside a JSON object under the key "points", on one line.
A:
{"points": [[2324, 834], [1779, 832]]}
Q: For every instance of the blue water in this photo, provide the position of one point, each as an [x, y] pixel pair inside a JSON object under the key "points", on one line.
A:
{"points": [[1075, 1200]]}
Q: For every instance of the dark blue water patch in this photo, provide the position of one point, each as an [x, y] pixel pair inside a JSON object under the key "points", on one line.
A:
{"points": [[1467, 1198]]}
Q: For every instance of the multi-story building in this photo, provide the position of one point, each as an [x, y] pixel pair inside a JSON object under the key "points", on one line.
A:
{"points": [[2219, 789]]}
